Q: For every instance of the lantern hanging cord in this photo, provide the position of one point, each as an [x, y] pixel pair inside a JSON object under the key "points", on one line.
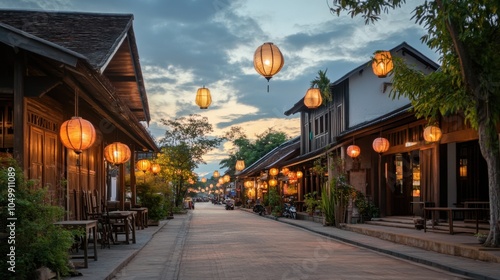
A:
{"points": [[76, 102]]}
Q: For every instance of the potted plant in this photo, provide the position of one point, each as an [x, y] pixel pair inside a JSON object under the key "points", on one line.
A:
{"points": [[367, 210], [310, 202]]}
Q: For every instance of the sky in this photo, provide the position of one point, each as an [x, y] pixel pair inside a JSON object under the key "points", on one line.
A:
{"points": [[186, 44]]}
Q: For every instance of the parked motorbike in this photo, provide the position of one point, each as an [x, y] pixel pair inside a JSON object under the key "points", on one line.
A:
{"points": [[259, 209], [229, 204], [290, 211]]}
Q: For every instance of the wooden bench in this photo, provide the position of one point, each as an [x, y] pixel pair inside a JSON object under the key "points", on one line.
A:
{"points": [[450, 211]]}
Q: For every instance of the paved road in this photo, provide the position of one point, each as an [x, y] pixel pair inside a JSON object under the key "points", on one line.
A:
{"points": [[212, 243]]}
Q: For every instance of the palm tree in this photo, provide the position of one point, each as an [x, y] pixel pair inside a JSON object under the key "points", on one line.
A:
{"points": [[323, 83]]}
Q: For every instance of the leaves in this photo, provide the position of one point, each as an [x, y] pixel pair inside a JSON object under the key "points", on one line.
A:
{"points": [[323, 83]]}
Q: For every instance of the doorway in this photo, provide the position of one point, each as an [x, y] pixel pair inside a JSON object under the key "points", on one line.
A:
{"points": [[404, 182], [472, 173]]}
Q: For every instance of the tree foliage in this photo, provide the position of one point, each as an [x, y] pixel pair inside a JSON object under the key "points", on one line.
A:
{"points": [[185, 143], [467, 36], [323, 83], [250, 151]]}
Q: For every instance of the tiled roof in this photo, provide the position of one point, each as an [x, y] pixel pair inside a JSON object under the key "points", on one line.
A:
{"points": [[93, 35]]}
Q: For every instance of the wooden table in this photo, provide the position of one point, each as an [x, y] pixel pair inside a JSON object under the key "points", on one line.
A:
{"points": [[86, 225], [142, 217], [449, 211], [129, 223]]}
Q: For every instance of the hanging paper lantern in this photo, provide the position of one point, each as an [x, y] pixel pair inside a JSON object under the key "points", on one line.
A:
{"points": [[273, 171], [273, 182], [299, 174], [268, 60], [227, 178], [249, 184], [432, 133], [216, 174], [155, 168], [382, 63], [203, 180], [203, 98], [117, 153], [380, 145], [143, 165], [77, 134], [240, 165], [313, 98], [353, 151]]}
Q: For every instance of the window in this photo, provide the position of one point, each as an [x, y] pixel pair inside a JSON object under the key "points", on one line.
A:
{"points": [[321, 125]]}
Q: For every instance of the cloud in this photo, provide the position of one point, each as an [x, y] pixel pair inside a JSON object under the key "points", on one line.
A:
{"points": [[184, 45]]}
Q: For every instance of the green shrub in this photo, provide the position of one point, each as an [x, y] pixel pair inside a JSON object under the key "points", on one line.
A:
{"points": [[158, 206], [38, 242]]}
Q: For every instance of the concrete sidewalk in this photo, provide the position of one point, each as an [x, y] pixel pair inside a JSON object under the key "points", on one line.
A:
{"points": [[113, 259]]}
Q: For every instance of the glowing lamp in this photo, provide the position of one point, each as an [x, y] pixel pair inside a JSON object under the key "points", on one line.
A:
{"points": [[203, 98], [77, 134], [313, 98], [382, 63], [216, 174], [268, 60], [117, 153], [273, 171], [432, 133], [240, 165], [155, 168], [143, 165], [353, 151], [380, 145], [273, 182]]}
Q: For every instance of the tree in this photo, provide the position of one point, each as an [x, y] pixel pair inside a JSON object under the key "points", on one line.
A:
{"points": [[186, 141], [323, 84], [248, 151], [467, 36]]}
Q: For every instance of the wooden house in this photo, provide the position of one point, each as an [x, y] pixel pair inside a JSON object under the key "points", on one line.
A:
{"points": [[55, 65], [410, 170]]}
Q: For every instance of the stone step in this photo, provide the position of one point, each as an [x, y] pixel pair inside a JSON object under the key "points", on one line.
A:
{"points": [[407, 222]]}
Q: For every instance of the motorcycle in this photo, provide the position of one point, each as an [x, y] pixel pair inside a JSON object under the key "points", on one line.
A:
{"points": [[259, 209], [290, 211], [229, 204]]}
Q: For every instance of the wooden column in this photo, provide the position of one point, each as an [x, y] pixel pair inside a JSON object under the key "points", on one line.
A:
{"points": [[121, 186], [133, 181], [20, 143]]}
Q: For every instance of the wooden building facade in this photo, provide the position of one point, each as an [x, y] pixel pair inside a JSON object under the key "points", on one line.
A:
{"points": [[55, 65]]}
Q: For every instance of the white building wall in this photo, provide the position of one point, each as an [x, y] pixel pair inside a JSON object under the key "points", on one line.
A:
{"points": [[367, 99]]}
